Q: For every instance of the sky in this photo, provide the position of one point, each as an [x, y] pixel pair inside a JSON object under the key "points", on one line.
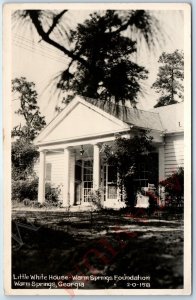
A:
{"points": [[40, 62]]}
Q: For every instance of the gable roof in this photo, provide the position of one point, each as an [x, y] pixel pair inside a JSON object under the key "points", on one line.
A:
{"points": [[120, 116], [131, 116], [172, 117], [80, 119]]}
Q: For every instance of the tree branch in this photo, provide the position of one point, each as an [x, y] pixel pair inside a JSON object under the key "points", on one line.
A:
{"points": [[34, 15], [123, 27], [55, 21]]}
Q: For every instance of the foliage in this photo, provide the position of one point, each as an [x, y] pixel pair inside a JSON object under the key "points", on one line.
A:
{"points": [[126, 155], [24, 155], [100, 51], [111, 74], [52, 193], [169, 82], [28, 190], [25, 189], [29, 110], [174, 184], [95, 197]]}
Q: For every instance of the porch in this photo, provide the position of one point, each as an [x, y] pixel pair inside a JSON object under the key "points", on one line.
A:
{"points": [[77, 135], [85, 174]]}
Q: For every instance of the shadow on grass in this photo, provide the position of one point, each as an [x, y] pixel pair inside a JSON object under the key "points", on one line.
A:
{"points": [[67, 248]]}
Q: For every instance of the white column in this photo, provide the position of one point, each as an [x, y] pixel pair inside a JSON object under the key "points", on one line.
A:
{"points": [[41, 187], [161, 174], [66, 195], [161, 162], [96, 167], [72, 177]]}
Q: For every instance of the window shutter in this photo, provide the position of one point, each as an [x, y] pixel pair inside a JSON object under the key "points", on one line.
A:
{"points": [[48, 171]]}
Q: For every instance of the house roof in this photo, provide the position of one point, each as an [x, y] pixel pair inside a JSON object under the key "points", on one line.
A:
{"points": [[168, 118], [131, 116], [80, 119], [172, 117]]}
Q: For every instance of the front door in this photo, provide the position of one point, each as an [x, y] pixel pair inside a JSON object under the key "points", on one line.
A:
{"points": [[78, 182], [87, 180], [110, 183], [83, 181]]}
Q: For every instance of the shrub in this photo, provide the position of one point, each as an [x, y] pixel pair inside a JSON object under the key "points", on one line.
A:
{"points": [[23, 189], [52, 193], [174, 187], [174, 184], [28, 189], [24, 156], [95, 198]]}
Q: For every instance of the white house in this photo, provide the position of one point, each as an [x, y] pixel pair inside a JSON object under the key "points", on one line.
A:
{"points": [[71, 149]]}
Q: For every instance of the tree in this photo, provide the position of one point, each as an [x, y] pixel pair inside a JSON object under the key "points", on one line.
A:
{"points": [[100, 63], [29, 110], [111, 75], [24, 155], [126, 156], [169, 82]]}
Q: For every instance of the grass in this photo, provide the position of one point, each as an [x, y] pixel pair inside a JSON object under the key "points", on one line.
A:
{"points": [[103, 244]]}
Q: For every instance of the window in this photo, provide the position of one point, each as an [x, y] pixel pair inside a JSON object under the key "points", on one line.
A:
{"points": [[112, 191], [147, 172], [87, 180], [112, 174], [78, 170], [110, 182], [48, 171]]}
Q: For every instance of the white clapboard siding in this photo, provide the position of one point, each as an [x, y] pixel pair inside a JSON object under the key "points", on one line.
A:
{"points": [[174, 153], [55, 171], [56, 177], [57, 168]]}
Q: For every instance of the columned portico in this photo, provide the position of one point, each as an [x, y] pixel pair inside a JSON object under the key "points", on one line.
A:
{"points": [[41, 187], [96, 166]]}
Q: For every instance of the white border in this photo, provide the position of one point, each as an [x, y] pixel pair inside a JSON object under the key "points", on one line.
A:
{"points": [[7, 145]]}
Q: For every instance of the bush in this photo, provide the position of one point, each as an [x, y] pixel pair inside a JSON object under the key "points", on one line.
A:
{"points": [[52, 193], [28, 189], [23, 189], [174, 187], [24, 156], [95, 198], [174, 184]]}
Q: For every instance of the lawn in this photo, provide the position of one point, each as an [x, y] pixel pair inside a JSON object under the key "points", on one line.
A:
{"points": [[99, 244]]}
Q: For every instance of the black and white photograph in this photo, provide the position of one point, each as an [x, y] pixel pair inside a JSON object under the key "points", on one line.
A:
{"points": [[97, 101]]}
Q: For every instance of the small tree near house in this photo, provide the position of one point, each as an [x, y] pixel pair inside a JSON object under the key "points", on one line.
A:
{"points": [[126, 155]]}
